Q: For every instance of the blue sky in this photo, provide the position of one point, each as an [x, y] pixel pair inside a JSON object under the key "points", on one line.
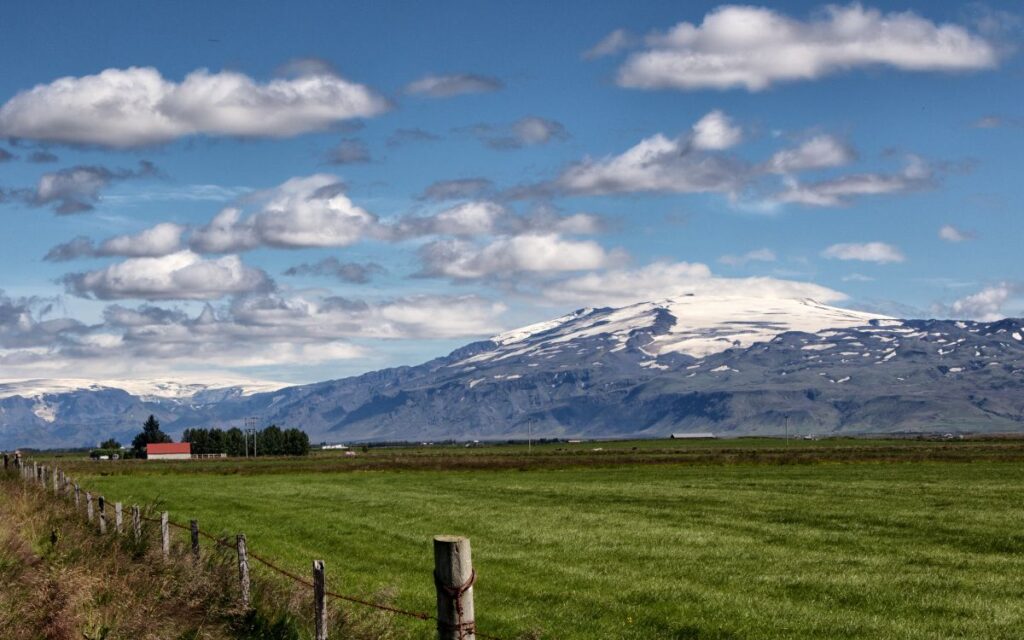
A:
{"points": [[866, 155]]}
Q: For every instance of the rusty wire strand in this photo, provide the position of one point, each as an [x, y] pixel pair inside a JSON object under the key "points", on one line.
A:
{"points": [[419, 615]]}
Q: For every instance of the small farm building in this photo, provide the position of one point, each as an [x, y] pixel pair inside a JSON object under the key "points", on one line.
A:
{"points": [[693, 436], [169, 451]]}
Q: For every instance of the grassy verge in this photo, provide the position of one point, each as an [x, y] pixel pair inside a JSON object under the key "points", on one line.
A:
{"points": [[62, 581]]}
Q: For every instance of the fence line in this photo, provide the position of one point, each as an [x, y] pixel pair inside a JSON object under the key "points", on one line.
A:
{"points": [[454, 576]]}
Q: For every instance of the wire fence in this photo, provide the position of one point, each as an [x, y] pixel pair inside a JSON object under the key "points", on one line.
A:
{"points": [[454, 576]]}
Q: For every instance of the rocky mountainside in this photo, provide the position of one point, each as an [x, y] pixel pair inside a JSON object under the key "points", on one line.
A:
{"points": [[734, 366]]}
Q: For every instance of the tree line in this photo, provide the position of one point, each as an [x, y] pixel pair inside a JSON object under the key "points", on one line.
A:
{"points": [[272, 441]]}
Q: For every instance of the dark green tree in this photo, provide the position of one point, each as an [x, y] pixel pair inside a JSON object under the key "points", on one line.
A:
{"points": [[296, 442], [110, 443], [234, 442], [150, 433], [215, 442], [270, 441], [205, 441]]}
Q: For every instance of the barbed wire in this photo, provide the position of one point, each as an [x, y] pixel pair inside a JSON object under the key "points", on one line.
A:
{"points": [[419, 615]]}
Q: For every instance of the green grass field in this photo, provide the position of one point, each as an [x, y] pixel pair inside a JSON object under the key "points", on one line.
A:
{"points": [[756, 551]]}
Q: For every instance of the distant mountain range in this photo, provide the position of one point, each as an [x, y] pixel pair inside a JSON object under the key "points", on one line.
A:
{"points": [[733, 366]]}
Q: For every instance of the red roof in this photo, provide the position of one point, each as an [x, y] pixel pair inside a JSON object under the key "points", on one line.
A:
{"points": [[169, 447]]}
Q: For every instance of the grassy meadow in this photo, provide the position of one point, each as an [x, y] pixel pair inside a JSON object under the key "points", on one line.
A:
{"points": [[914, 540]]}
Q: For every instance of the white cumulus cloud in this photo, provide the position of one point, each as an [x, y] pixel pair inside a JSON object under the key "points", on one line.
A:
{"points": [[820, 152], [446, 86], [986, 305], [661, 164], [915, 175], [507, 255], [137, 106], [949, 233], [878, 252], [159, 240], [756, 47], [302, 212], [715, 132], [179, 276]]}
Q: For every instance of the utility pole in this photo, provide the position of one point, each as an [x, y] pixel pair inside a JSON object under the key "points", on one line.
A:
{"points": [[250, 427], [529, 441], [787, 429]]}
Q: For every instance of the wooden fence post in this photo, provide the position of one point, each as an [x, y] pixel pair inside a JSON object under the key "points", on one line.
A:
{"points": [[137, 522], [118, 518], [193, 526], [78, 497], [243, 569], [88, 506], [165, 535], [454, 578], [103, 516], [319, 600], [56, 481]]}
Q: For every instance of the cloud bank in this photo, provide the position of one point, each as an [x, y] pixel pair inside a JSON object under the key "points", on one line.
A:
{"points": [[755, 47], [137, 106]]}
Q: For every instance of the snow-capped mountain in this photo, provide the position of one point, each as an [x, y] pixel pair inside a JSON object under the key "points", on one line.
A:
{"points": [[691, 325], [165, 388], [724, 364], [47, 412]]}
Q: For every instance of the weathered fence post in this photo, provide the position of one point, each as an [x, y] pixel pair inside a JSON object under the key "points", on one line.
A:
{"points": [[56, 482], [118, 518], [319, 600], [137, 522], [35, 471], [454, 578], [88, 506], [193, 526], [78, 497], [165, 535], [103, 516], [243, 569]]}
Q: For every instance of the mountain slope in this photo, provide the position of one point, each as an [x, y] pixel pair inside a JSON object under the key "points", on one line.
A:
{"points": [[729, 365]]}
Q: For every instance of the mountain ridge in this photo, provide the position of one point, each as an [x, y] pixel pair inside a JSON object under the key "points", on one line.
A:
{"points": [[731, 365]]}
